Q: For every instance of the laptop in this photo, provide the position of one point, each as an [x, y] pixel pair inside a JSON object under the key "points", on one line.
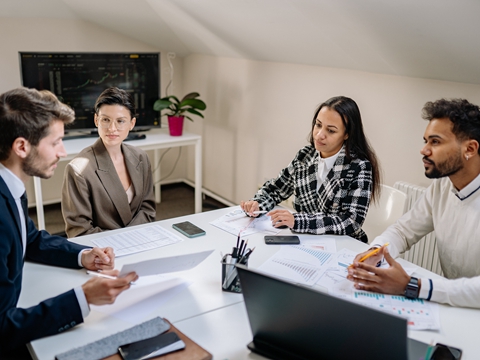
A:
{"points": [[291, 321]]}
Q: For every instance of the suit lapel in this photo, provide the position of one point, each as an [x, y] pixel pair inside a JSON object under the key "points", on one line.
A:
{"points": [[134, 167], [111, 182], [11, 204]]}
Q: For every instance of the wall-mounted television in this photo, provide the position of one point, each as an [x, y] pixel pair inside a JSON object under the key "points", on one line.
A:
{"points": [[79, 78]]}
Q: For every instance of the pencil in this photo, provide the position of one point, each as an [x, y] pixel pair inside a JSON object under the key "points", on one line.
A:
{"points": [[371, 253]]}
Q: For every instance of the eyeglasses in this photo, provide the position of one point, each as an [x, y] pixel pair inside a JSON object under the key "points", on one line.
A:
{"points": [[120, 124]]}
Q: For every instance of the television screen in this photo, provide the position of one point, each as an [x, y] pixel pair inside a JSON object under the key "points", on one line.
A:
{"points": [[79, 78]]}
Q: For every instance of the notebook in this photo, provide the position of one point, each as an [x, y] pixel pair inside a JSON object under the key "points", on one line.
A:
{"points": [[291, 321]]}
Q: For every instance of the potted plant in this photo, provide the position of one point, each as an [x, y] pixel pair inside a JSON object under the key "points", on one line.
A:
{"points": [[177, 109]]}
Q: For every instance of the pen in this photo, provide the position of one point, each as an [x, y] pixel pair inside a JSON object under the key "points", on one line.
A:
{"points": [[258, 212], [97, 274], [371, 253]]}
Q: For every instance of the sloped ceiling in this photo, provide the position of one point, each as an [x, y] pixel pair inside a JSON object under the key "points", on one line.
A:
{"points": [[436, 39]]}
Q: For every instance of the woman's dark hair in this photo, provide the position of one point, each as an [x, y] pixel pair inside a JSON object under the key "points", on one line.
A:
{"points": [[115, 96], [356, 145], [464, 115]]}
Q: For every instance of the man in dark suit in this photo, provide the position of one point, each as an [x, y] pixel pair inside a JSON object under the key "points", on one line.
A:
{"points": [[32, 124]]}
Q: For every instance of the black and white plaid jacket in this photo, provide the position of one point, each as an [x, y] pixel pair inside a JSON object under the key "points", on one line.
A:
{"points": [[338, 207]]}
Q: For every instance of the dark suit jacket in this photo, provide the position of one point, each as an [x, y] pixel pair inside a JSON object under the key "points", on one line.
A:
{"points": [[93, 198], [20, 326], [340, 205]]}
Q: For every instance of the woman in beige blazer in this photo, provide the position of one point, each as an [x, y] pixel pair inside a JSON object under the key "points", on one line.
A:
{"points": [[108, 185]]}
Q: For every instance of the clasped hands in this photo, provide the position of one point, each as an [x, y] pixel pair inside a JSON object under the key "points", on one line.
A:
{"points": [[100, 291], [367, 276], [279, 217]]}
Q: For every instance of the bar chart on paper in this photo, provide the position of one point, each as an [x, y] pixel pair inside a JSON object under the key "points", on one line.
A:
{"points": [[297, 264], [420, 314]]}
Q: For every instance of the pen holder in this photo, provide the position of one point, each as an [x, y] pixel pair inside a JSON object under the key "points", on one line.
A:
{"points": [[230, 280]]}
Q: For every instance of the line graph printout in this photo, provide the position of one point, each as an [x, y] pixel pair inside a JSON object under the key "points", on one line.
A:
{"points": [[138, 240], [236, 221], [297, 264]]}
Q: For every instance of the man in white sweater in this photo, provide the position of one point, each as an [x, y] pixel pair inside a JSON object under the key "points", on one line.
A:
{"points": [[450, 207]]}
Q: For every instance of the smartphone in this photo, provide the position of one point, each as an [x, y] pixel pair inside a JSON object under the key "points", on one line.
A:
{"points": [[188, 229], [281, 240], [152, 347], [445, 352]]}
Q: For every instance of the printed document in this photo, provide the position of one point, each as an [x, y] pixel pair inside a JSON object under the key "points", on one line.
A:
{"points": [[138, 240], [236, 221], [298, 264], [308, 264]]}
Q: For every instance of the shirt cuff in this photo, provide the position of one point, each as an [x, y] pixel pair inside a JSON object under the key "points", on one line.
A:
{"points": [[426, 289], [79, 259], [82, 301]]}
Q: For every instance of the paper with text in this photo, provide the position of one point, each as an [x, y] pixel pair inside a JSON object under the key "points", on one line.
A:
{"points": [[298, 264], [138, 240], [236, 221]]}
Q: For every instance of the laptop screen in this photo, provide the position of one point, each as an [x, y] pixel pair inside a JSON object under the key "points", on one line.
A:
{"points": [[292, 321]]}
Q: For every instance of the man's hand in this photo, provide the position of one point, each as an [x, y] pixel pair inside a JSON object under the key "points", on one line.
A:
{"points": [[393, 280], [101, 291], [372, 260], [249, 207], [98, 259], [281, 218]]}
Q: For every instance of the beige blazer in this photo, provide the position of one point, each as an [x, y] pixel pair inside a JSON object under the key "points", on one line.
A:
{"points": [[93, 198]]}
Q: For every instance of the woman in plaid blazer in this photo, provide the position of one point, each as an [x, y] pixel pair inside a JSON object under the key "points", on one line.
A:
{"points": [[333, 179]]}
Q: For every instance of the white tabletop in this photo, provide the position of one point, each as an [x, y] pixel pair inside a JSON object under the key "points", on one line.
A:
{"points": [[211, 317], [152, 140]]}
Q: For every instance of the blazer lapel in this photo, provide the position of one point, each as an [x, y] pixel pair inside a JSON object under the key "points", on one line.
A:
{"points": [[331, 183], [12, 205], [135, 170], [111, 182]]}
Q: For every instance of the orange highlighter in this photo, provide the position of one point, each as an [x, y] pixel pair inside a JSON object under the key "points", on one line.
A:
{"points": [[371, 253]]}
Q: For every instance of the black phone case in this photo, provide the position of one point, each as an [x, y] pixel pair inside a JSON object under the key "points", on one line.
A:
{"points": [[282, 240], [141, 348], [188, 229]]}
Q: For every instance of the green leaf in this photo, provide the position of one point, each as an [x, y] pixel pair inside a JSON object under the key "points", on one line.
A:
{"points": [[161, 104], [191, 95], [194, 103], [193, 111]]}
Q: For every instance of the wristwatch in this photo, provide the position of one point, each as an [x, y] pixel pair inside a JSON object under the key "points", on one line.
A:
{"points": [[412, 290]]}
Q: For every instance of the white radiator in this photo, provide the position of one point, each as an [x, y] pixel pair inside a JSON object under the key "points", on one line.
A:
{"points": [[424, 253]]}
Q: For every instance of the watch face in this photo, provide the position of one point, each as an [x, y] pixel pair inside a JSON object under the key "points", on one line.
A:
{"points": [[412, 290]]}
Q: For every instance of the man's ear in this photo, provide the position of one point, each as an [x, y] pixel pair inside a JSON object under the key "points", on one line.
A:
{"points": [[21, 147], [471, 148]]}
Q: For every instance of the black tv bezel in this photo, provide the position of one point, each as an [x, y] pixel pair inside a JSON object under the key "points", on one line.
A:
{"points": [[93, 130]]}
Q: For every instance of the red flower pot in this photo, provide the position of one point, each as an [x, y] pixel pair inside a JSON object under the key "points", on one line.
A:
{"points": [[175, 124]]}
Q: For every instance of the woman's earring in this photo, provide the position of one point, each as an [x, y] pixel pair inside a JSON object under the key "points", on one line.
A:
{"points": [[466, 157]]}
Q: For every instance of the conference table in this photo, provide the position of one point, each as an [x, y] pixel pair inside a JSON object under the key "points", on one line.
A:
{"points": [[155, 139], [198, 307]]}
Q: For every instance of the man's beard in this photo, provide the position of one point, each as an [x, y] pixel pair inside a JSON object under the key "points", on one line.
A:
{"points": [[446, 168], [31, 167]]}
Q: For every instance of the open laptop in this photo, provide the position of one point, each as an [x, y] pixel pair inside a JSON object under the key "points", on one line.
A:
{"points": [[291, 321]]}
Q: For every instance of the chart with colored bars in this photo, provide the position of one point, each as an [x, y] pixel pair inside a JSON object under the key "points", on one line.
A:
{"points": [[420, 314], [297, 264], [322, 256]]}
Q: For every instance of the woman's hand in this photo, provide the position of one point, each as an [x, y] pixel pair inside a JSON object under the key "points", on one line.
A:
{"points": [[281, 217], [249, 207]]}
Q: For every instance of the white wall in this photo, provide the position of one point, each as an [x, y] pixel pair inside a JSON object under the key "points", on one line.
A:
{"points": [[37, 34], [259, 116]]}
